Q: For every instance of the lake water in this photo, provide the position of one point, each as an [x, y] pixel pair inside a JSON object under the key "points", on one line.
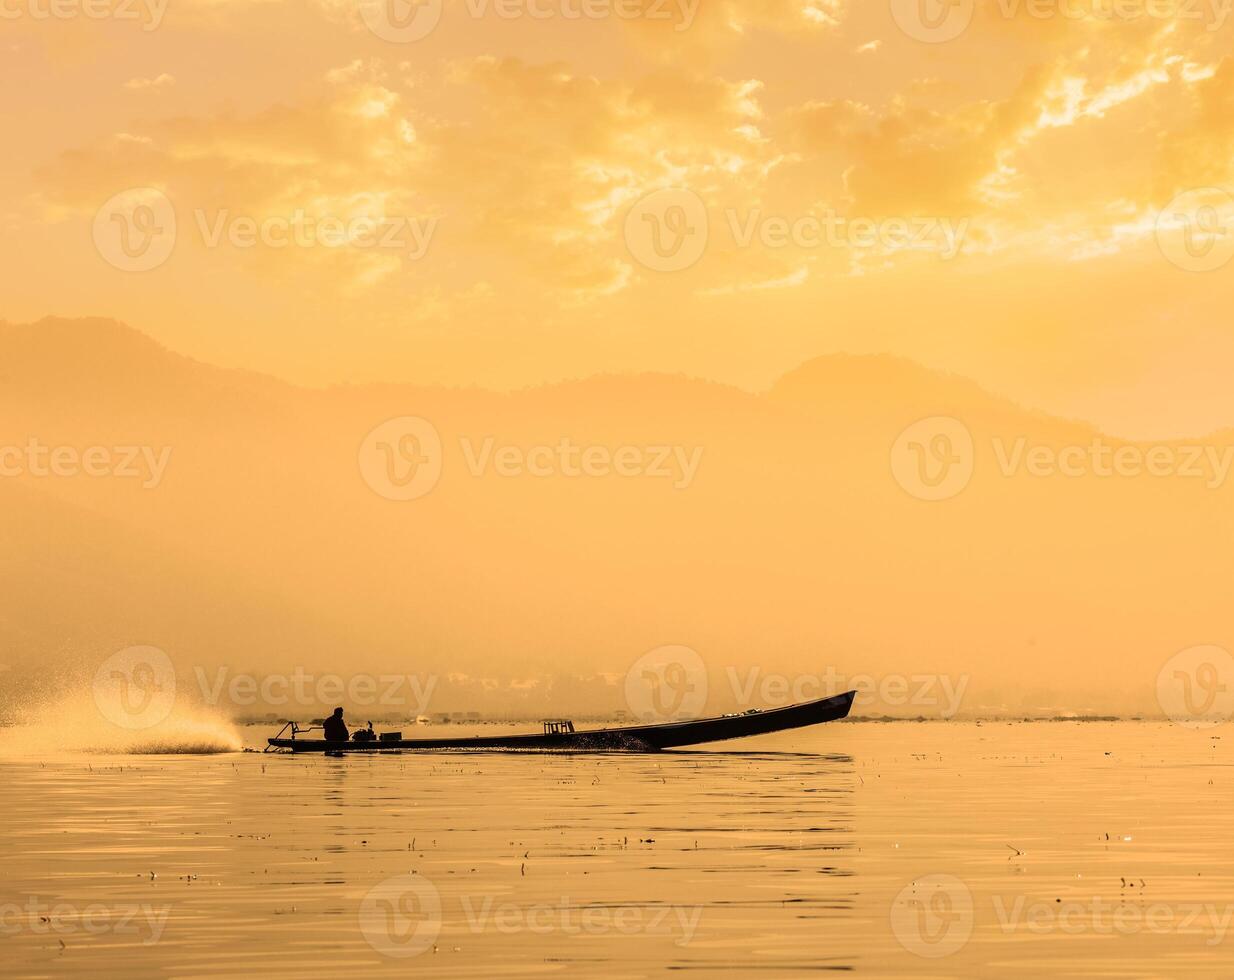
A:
{"points": [[933, 849]]}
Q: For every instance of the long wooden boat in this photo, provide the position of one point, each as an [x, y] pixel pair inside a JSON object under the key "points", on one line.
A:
{"points": [[560, 736]]}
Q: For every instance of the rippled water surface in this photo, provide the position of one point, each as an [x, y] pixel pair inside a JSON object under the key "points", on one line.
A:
{"points": [[1095, 850]]}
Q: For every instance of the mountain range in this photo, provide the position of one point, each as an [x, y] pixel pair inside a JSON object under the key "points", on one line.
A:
{"points": [[771, 532]]}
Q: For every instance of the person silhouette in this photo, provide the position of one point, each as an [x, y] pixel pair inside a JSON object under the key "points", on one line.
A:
{"points": [[335, 729]]}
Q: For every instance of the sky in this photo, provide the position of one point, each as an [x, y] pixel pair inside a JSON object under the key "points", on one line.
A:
{"points": [[501, 194]]}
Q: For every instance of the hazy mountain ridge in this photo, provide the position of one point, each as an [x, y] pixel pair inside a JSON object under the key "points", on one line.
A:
{"points": [[791, 550]]}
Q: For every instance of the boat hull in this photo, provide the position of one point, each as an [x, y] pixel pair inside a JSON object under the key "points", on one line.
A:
{"points": [[638, 738]]}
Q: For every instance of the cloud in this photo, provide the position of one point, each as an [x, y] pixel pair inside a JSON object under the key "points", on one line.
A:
{"points": [[549, 159], [795, 278], [530, 166], [139, 84]]}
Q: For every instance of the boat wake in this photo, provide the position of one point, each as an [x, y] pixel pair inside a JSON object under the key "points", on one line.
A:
{"points": [[74, 724]]}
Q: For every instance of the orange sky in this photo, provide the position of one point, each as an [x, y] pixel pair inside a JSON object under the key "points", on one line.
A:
{"points": [[1038, 152]]}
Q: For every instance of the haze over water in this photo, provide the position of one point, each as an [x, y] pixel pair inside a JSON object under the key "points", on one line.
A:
{"points": [[940, 849], [610, 362]]}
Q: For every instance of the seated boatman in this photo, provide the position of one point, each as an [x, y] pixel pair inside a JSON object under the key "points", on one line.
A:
{"points": [[334, 728]]}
